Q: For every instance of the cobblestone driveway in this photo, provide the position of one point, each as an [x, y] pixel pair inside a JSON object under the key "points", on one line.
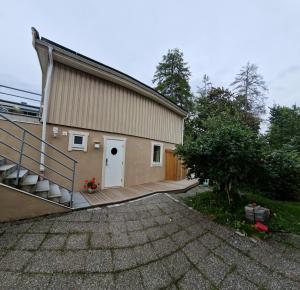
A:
{"points": [[148, 244]]}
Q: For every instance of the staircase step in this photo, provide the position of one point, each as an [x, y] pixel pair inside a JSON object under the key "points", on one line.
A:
{"points": [[22, 173], [11, 179], [7, 168], [2, 161], [65, 196], [29, 183], [31, 179], [42, 186], [54, 191]]}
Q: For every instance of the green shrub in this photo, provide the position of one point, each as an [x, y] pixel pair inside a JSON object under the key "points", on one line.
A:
{"points": [[284, 127], [280, 178], [284, 214], [227, 153], [233, 157]]}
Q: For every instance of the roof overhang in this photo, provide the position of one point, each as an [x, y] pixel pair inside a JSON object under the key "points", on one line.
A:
{"points": [[72, 59]]}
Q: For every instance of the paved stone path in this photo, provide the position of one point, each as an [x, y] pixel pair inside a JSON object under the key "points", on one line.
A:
{"points": [[190, 193], [151, 243]]}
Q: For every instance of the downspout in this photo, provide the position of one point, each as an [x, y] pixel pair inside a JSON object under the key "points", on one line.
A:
{"points": [[182, 130], [45, 107]]}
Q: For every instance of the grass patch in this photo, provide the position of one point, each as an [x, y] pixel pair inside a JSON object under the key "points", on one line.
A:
{"points": [[285, 215]]}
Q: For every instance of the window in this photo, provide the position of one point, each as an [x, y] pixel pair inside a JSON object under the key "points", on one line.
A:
{"points": [[156, 154], [78, 140]]}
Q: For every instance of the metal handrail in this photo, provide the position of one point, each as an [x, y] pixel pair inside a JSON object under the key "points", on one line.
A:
{"points": [[24, 91], [33, 135], [20, 97], [21, 151], [33, 147], [38, 162], [22, 154], [33, 171]]}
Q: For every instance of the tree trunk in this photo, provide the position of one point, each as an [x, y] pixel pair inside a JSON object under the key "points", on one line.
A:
{"points": [[228, 187]]}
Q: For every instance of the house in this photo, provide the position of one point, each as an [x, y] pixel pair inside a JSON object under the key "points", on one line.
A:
{"points": [[97, 122], [116, 127]]}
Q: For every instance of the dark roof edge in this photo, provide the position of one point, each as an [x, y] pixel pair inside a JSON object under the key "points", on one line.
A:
{"points": [[114, 70]]}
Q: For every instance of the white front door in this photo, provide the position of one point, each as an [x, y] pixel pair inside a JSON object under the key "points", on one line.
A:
{"points": [[114, 162]]}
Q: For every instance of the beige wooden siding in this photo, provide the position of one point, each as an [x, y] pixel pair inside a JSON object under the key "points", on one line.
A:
{"points": [[82, 100]]}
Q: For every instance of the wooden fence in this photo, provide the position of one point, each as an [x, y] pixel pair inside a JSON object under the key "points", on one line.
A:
{"points": [[175, 170]]}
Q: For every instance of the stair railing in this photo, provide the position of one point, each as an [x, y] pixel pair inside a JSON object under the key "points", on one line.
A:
{"points": [[21, 153]]}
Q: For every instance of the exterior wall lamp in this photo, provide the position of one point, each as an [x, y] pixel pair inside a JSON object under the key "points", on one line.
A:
{"points": [[55, 131], [97, 145]]}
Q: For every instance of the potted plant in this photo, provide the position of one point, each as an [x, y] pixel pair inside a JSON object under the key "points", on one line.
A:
{"points": [[90, 185]]}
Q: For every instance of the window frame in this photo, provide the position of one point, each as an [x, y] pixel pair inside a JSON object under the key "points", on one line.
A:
{"points": [[77, 147], [153, 163]]}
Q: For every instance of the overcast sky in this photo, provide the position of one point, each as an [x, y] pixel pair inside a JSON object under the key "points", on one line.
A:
{"points": [[217, 38]]}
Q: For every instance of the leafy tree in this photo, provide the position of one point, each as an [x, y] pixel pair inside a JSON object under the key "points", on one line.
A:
{"points": [[233, 156], [220, 102], [280, 174], [250, 88], [217, 101], [284, 127], [227, 153], [172, 79]]}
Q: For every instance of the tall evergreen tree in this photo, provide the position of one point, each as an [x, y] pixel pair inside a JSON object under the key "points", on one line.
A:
{"points": [[172, 79], [251, 88], [206, 86]]}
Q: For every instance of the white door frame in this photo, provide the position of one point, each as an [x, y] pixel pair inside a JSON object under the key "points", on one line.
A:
{"points": [[105, 138]]}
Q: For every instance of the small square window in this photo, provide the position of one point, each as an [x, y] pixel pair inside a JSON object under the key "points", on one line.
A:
{"points": [[156, 154], [78, 140]]}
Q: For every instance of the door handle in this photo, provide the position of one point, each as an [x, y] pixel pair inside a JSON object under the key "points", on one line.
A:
{"points": [[106, 161]]}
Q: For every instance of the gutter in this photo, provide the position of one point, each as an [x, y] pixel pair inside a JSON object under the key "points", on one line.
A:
{"points": [[45, 96], [45, 107]]}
